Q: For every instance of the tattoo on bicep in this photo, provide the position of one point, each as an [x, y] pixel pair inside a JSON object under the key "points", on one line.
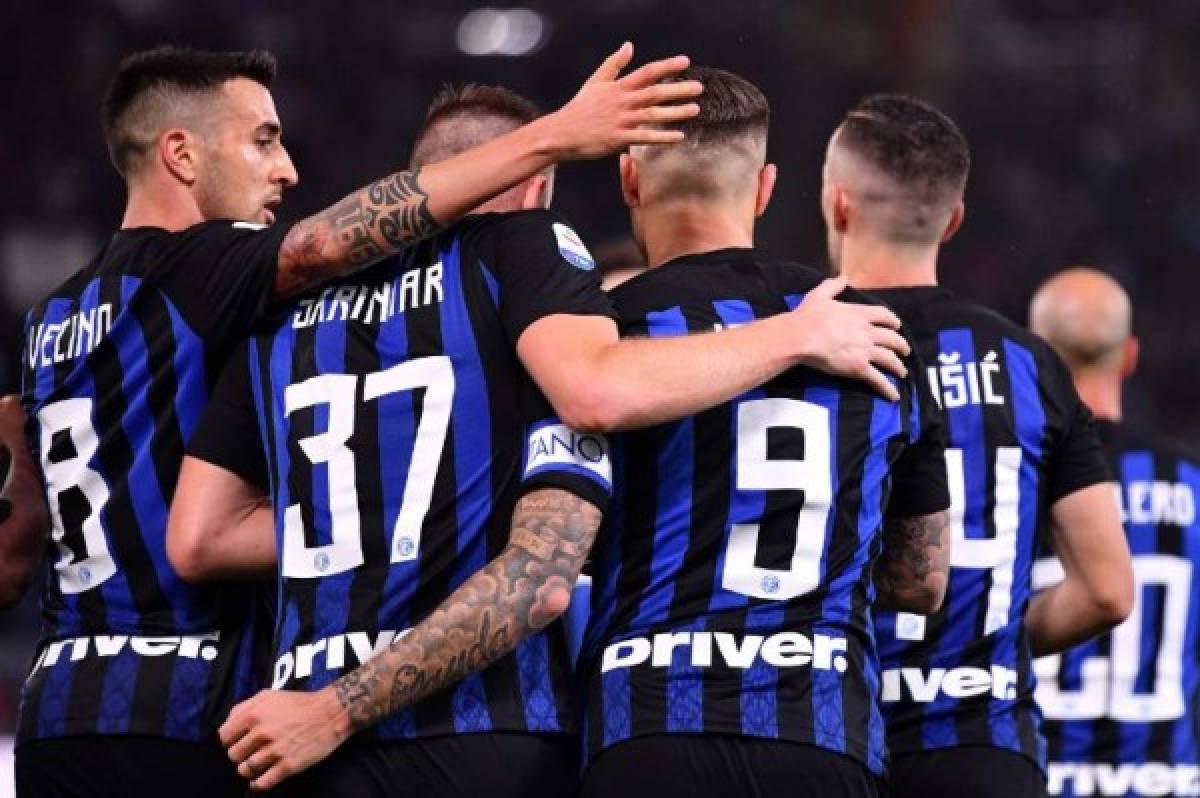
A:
{"points": [[518, 593], [371, 223], [909, 549]]}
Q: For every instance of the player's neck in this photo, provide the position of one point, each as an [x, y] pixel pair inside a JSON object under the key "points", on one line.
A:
{"points": [[151, 205], [1101, 393], [868, 263], [674, 232]]}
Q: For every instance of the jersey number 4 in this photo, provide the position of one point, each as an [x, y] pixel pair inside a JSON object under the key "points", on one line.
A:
{"points": [[338, 392]]}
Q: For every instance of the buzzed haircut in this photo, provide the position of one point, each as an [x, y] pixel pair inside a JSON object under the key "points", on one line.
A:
{"points": [[151, 89], [461, 118], [909, 141], [731, 107]]}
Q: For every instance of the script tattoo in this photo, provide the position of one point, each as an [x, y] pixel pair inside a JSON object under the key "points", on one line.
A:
{"points": [[359, 229], [515, 595], [912, 551]]}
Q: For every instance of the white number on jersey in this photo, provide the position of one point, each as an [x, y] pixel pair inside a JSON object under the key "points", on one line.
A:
{"points": [[995, 554], [755, 471], [66, 467], [337, 391], [1107, 685]]}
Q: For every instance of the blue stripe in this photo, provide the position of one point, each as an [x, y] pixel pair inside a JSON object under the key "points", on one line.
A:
{"points": [[280, 375], [1184, 745], [537, 687], [673, 506], [967, 586], [1135, 737], [606, 558], [760, 682], [471, 421], [1029, 417], [397, 426], [616, 720], [685, 686], [493, 286], [332, 606]]}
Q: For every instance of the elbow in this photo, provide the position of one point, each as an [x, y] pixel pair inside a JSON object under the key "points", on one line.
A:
{"points": [[1113, 600], [551, 602], [926, 598], [185, 553], [590, 409]]}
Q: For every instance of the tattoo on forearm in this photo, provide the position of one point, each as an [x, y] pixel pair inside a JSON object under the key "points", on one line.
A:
{"points": [[518, 593], [911, 549], [369, 224]]}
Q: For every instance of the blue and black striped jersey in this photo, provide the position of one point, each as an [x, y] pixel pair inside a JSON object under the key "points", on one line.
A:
{"points": [[396, 431], [1019, 440], [732, 578], [1123, 711], [118, 364]]}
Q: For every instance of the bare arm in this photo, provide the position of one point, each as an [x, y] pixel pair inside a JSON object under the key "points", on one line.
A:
{"points": [[1096, 592], [277, 734], [912, 572], [221, 526], [597, 383], [608, 114], [24, 525]]}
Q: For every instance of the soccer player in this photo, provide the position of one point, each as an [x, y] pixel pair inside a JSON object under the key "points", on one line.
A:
{"points": [[1023, 459], [135, 667], [1121, 710], [398, 430], [729, 649]]}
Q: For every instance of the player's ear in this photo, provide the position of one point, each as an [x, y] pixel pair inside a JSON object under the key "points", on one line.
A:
{"points": [[956, 220], [178, 151], [629, 181], [1129, 357], [766, 187], [840, 209], [536, 194]]}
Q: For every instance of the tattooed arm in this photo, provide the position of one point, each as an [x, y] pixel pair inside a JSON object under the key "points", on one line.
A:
{"points": [[23, 523], [609, 114], [277, 734], [912, 573]]}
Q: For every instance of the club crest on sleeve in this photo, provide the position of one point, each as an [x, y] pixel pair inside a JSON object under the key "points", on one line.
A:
{"points": [[571, 247]]}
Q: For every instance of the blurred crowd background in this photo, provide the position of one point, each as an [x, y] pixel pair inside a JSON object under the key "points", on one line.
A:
{"points": [[1083, 118]]}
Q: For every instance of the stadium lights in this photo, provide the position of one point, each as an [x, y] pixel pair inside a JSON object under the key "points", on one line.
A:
{"points": [[511, 32]]}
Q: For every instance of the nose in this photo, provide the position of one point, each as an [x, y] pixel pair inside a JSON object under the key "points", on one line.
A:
{"points": [[285, 170]]}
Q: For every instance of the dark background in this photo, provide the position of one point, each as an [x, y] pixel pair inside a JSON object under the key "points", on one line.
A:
{"points": [[1083, 118]]}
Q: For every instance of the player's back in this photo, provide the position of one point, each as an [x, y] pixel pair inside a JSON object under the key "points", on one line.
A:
{"points": [[117, 367], [962, 676], [732, 576], [1121, 710], [399, 431]]}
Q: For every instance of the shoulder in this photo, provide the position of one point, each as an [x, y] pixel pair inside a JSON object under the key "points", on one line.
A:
{"points": [[539, 228]]}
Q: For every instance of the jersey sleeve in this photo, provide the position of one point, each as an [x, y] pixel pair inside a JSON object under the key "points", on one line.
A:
{"points": [[556, 456], [1077, 460], [228, 433], [919, 480], [220, 276], [540, 268]]}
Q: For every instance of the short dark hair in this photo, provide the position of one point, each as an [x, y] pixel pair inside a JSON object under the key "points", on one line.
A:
{"points": [[908, 140], [437, 139], [730, 106], [147, 82]]}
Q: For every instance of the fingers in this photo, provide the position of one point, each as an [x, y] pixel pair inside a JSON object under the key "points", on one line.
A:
{"points": [[661, 93], [649, 135], [233, 729], [653, 72], [893, 341], [244, 749], [612, 66], [258, 765], [888, 361], [878, 314], [272, 777], [668, 113], [881, 384]]}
